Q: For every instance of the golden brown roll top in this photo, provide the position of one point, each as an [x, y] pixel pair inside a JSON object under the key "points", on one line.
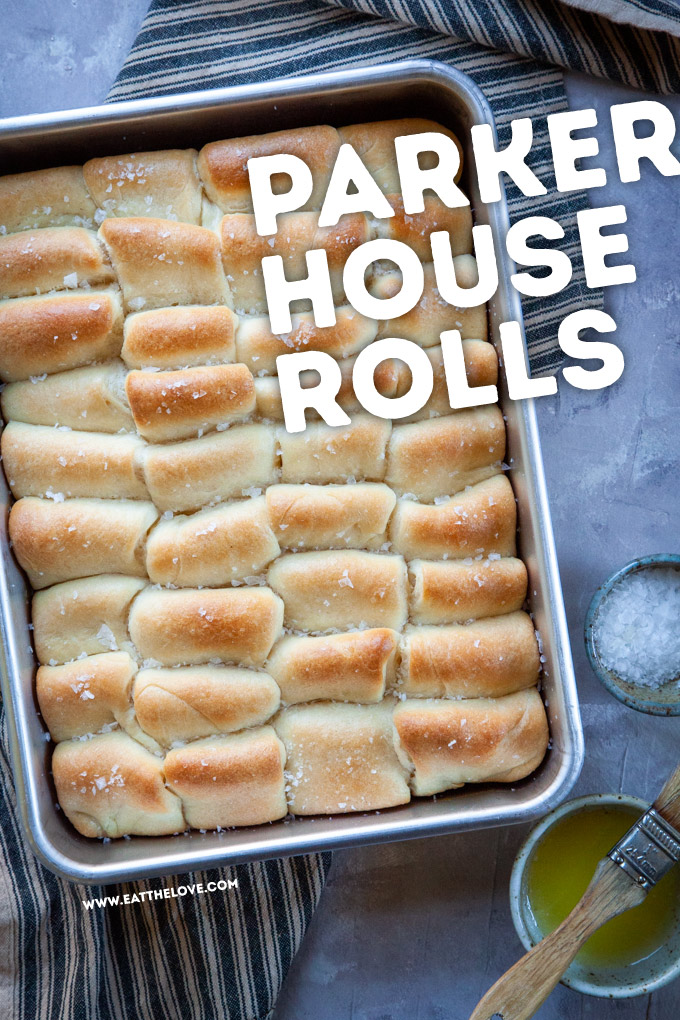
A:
{"points": [[374, 142], [324, 453], [44, 461], [91, 399], [483, 659], [112, 786], [232, 780], [88, 616], [481, 369], [56, 258], [223, 166], [162, 262], [164, 184], [414, 229], [435, 458], [216, 467], [54, 332], [259, 348], [330, 516], [45, 198], [456, 591], [449, 743], [478, 522], [338, 590], [341, 758], [86, 695], [231, 542], [185, 403], [179, 337], [189, 626], [336, 667], [190, 702], [58, 541]]}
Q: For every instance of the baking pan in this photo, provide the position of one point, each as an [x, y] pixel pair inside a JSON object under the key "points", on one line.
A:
{"points": [[420, 88]]}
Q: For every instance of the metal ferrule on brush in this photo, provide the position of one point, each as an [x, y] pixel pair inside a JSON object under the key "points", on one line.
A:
{"points": [[649, 849]]}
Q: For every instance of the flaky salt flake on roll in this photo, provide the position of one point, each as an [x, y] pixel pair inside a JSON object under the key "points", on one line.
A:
{"points": [[441, 457], [189, 702], [161, 262], [449, 743], [45, 198], [336, 667], [163, 184], [337, 590], [85, 616], [92, 399], [485, 658], [325, 453], [341, 758], [181, 404], [213, 547], [84, 696], [231, 780], [112, 786], [180, 337], [190, 626], [53, 332], [56, 258], [60, 540], [374, 142], [44, 461], [455, 591], [330, 516]]}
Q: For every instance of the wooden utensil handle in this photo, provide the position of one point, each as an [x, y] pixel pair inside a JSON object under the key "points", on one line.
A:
{"points": [[668, 801]]}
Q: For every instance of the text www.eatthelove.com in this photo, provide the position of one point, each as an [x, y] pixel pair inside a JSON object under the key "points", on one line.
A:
{"points": [[126, 899]]}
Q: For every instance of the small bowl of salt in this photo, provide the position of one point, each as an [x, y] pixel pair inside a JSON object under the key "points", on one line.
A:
{"points": [[633, 634]]}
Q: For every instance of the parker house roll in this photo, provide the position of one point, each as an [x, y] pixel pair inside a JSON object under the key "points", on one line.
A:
{"points": [[414, 229], [191, 626], [481, 369], [112, 786], [44, 461], [92, 399], [324, 453], [163, 184], [440, 457], [330, 516], [161, 262], [449, 743], [45, 198], [189, 702], [214, 547], [216, 467], [259, 348], [243, 250], [337, 667], [178, 405], [223, 166], [338, 590], [485, 658], [58, 541], [86, 695], [479, 522], [374, 142], [341, 758], [56, 258], [87, 616], [180, 337], [54, 332], [232, 780], [460, 590], [425, 322], [388, 378]]}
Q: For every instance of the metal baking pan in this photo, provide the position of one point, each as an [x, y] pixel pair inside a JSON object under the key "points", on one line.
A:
{"points": [[415, 87]]}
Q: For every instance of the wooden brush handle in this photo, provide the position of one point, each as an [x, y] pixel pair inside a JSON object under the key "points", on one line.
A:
{"points": [[668, 801], [519, 993]]}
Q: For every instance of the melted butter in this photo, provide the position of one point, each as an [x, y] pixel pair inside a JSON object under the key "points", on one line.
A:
{"points": [[563, 864]]}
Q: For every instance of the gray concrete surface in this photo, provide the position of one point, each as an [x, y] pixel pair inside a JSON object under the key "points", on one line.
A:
{"points": [[417, 931]]}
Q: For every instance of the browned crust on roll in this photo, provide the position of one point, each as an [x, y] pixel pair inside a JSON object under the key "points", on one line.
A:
{"points": [[330, 516], [162, 183], [54, 332], [481, 369], [180, 337], [84, 696], [91, 398], [414, 229], [374, 142], [336, 667], [449, 743], [45, 198], [36, 261], [334, 454], [180, 404], [231, 780], [455, 591]]}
